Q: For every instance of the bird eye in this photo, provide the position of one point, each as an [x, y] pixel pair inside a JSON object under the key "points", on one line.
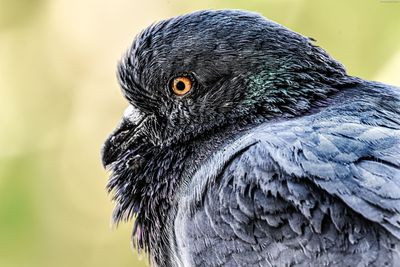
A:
{"points": [[181, 85]]}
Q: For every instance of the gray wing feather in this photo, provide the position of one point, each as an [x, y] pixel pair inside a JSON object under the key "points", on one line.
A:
{"points": [[357, 163]]}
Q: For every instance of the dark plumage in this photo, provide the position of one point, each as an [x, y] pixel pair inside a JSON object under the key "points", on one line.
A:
{"points": [[275, 157]]}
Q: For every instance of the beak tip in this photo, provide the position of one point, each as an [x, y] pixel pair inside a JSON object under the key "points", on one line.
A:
{"points": [[104, 154]]}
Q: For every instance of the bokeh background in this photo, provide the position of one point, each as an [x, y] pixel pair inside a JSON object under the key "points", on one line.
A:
{"points": [[59, 99]]}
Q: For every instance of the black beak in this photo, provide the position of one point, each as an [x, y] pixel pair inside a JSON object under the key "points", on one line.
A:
{"points": [[122, 137]]}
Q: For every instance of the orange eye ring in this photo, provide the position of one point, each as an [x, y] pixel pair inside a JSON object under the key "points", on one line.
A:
{"points": [[181, 85]]}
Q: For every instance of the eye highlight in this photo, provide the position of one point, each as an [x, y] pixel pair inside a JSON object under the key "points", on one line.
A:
{"points": [[181, 85]]}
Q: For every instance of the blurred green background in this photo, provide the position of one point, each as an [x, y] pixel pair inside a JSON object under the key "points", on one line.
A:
{"points": [[59, 99]]}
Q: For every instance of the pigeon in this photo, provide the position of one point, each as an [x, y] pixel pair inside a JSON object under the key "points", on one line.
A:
{"points": [[246, 144]]}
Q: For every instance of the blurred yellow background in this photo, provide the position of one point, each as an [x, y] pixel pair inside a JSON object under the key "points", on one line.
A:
{"points": [[59, 99]]}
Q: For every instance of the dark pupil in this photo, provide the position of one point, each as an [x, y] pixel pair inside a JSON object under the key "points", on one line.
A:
{"points": [[180, 86]]}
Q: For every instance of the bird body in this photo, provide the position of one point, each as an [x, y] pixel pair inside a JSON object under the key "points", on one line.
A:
{"points": [[247, 145]]}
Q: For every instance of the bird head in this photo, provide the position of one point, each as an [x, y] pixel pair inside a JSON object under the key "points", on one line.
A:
{"points": [[193, 73]]}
